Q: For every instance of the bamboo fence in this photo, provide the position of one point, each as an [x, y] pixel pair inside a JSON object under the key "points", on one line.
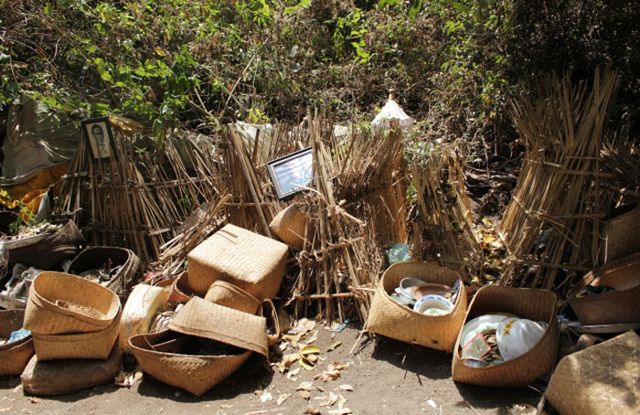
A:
{"points": [[139, 196]]}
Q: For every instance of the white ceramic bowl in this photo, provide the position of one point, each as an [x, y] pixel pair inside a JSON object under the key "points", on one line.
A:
{"points": [[437, 302], [516, 336]]}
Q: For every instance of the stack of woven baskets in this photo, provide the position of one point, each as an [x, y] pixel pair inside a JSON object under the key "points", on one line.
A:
{"points": [[227, 290], [71, 318]]}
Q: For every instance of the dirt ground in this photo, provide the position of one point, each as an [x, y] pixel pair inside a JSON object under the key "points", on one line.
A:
{"points": [[387, 377]]}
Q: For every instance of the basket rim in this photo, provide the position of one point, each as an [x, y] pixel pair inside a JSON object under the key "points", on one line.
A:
{"points": [[165, 332]]}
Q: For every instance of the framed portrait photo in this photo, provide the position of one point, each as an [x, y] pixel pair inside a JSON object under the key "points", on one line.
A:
{"points": [[292, 173], [99, 135]]}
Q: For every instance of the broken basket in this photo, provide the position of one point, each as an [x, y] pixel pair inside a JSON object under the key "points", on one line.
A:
{"points": [[533, 304], [14, 356], [399, 322], [61, 303]]}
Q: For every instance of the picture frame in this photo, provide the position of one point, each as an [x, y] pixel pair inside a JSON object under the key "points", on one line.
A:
{"points": [[98, 133], [292, 173]]}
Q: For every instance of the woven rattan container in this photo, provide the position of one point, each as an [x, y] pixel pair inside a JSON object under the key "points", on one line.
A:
{"points": [[246, 259], [620, 306], [536, 305], [194, 373], [622, 235], [228, 295], [14, 356], [602, 379], [289, 226], [399, 322], [180, 291], [94, 345], [60, 303], [96, 257]]}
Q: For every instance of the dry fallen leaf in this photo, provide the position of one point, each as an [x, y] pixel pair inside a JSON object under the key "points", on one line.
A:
{"points": [[341, 411], [328, 375], [334, 346], [304, 395], [286, 362], [293, 373], [320, 388], [346, 387], [283, 398], [305, 386], [312, 411]]}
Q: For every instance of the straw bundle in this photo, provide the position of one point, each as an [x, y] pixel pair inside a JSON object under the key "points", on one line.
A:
{"points": [[140, 195], [442, 223], [553, 220], [338, 260]]}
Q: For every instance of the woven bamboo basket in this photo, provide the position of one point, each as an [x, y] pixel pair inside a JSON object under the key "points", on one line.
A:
{"points": [[621, 306], [194, 373], [399, 322], [289, 226], [270, 313], [622, 235], [602, 379], [536, 305], [246, 259], [96, 257], [180, 291], [95, 345], [201, 318], [13, 356], [60, 303], [50, 251], [228, 295]]}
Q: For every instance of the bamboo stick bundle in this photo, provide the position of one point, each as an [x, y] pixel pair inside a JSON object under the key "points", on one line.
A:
{"points": [[337, 265], [370, 177], [244, 175], [551, 227], [442, 222]]}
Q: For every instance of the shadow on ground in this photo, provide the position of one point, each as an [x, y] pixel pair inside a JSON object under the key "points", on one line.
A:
{"points": [[425, 362]]}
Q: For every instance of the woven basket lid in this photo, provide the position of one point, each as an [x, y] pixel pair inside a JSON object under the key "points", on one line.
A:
{"points": [[204, 319]]}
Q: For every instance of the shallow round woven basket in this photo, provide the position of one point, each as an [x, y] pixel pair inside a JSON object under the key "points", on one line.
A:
{"points": [[620, 306], [399, 322], [61, 303], [13, 356], [95, 345], [96, 257], [536, 305], [229, 295], [194, 373]]}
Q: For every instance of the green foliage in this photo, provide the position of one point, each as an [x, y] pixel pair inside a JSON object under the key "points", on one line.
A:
{"points": [[453, 63]]}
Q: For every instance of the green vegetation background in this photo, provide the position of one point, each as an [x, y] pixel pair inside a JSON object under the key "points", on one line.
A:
{"points": [[454, 64]]}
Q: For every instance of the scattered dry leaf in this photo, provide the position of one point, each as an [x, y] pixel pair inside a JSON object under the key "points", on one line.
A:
{"points": [[341, 411], [283, 397], [312, 411], [293, 373], [334, 346], [304, 395], [346, 387], [305, 386]]}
